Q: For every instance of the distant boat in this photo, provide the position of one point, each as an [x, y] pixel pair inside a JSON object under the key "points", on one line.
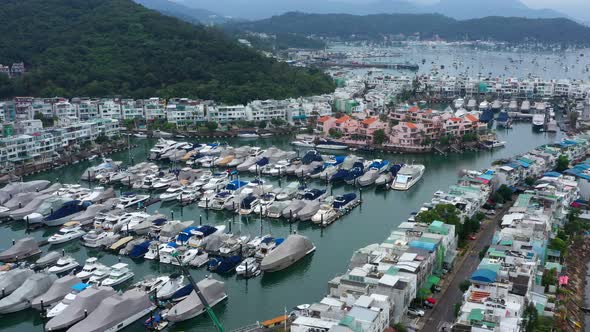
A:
{"points": [[407, 177], [294, 248], [538, 122], [248, 134]]}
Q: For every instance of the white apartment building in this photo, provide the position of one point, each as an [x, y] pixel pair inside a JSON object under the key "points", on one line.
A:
{"points": [[131, 109], [266, 110], [109, 109], [28, 127], [154, 108], [64, 109], [87, 109], [185, 112], [227, 113]]}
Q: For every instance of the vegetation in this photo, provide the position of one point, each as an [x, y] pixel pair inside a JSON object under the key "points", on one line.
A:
{"points": [[532, 322], [379, 136], [116, 47], [505, 192], [334, 133], [562, 163], [211, 125], [509, 29], [529, 181], [47, 122], [464, 285], [449, 214]]}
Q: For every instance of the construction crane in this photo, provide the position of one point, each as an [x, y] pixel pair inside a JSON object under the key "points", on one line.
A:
{"points": [[210, 312]]}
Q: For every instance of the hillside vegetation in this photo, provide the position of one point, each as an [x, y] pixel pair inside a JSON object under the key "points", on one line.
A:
{"points": [[117, 47]]}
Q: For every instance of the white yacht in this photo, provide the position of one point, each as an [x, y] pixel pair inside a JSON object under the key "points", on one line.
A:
{"points": [[120, 273], [171, 193], [459, 103], [538, 122], [325, 215], [67, 300], [164, 182], [408, 176], [90, 266], [64, 264], [132, 200], [70, 231]]}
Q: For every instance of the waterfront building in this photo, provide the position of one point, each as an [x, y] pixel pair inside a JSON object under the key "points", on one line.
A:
{"points": [[153, 109], [109, 109], [266, 110], [28, 127], [227, 113], [131, 109], [64, 109], [184, 111], [86, 108]]}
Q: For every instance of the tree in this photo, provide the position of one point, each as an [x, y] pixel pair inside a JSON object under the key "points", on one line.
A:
{"points": [[562, 163], [446, 213], [278, 122], [573, 117], [505, 192], [129, 124], [262, 124], [334, 133], [211, 125], [558, 244], [379, 136], [464, 285], [529, 181]]}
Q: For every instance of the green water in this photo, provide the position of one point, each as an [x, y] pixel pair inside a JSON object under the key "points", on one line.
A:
{"points": [[267, 296]]}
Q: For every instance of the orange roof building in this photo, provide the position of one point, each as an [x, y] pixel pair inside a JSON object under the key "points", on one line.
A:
{"points": [[369, 121], [343, 119]]}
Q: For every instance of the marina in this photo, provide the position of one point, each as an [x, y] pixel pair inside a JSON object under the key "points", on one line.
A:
{"points": [[270, 293]]}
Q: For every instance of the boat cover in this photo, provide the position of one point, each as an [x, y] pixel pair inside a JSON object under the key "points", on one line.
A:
{"points": [[291, 250], [22, 248], [35, 285], [114, 310], [47, 259], [12, 280], [60, 288], [213, 291], [20, 187], [87, 300]]}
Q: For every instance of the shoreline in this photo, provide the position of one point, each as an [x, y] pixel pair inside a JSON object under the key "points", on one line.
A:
{"points": [[572, 316]]}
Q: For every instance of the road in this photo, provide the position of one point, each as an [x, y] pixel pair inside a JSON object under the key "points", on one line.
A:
{"points": [[444, 310]]}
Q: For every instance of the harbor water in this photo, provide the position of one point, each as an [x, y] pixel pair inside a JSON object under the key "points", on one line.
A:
{"points": [[267, 296]]}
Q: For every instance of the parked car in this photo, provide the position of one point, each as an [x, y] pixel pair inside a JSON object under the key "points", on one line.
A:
{"points": [[416, 312]]}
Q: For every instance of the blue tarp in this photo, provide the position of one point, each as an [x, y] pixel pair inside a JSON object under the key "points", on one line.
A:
{"points": [[552, 174], [423, 245], [488, 177], [80, 287], [524, 164], [484, 275]]}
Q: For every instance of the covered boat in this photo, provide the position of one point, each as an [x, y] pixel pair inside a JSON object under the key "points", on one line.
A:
{"points": [[48, 259], [21, 298], [22, 248], [87, 216], [13, 279], [67, 212], [29, 208], [139, 250], [290, 251], [212, 290], [14, 188], [85, 303], [60, 288], [116, 312]]}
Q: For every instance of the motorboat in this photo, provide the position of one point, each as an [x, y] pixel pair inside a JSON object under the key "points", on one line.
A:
{"points": [[130, 200], [294, 248], [304, 143], [216, 183], [377, 167], [267, 245], [67, 212], [171, 193], [384, 179], [503, 120], [263, 203], [116, 312], [70, 231], [99, 276], [289, 191], [83, 304], [87, 217], [343, 202], [220, 199], [60, 288], [224, 264], [200, 258], [471, 104], [29, 208], [171, 286], [188, 255], [290, 212], [169, 230], [50, 258], [63, 265], [168, 253], [496, 105], [15, 188], [325, 215], [48, 206], [525, 107], [164, 182], [13, 279], [200, 234], [151, 285], [324, 144], [93, 238], [248, 268], [233, 245], [20, 299], [120, 273], [484, 105], [67, 299], [212, 290], [408, 176], [91, 265], [459, 103], [313, 194], [248, 204], [493, 144], [21, 249], [188, 195], [139, 250], [275, 210], [539, 122]]}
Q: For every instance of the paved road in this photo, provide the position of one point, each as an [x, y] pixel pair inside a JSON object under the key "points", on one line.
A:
{"points": [[444, 311]]}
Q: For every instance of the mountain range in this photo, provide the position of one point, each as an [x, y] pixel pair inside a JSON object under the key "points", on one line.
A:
{"points": [[100, 48], [185, 13], [508, 29], [458, 9]]}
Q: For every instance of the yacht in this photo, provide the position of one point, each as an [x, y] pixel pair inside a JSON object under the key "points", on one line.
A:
{"points": [[513, 106], [164, 182], [484, 105], [162, 147], [188, 195], [120, 273], [459, 103], [130, 200], [217, 182], [99, 276], [325, 215], [90, 266], [63, 265], [70, 231], [471, 104], [171, 193], [407, 176], [304, 143], [294, 248], [525, 107], [539, 122], [67, 212], [171, 286]]}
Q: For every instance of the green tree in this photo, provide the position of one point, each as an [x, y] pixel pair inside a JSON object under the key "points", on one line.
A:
{"points": [[562, 163], [446, 213], [379, 136], [211, 125], [505, 192], [334, 133], [129, 124], [262, 124], [529, 181], [278, 122], [464, 285]]}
